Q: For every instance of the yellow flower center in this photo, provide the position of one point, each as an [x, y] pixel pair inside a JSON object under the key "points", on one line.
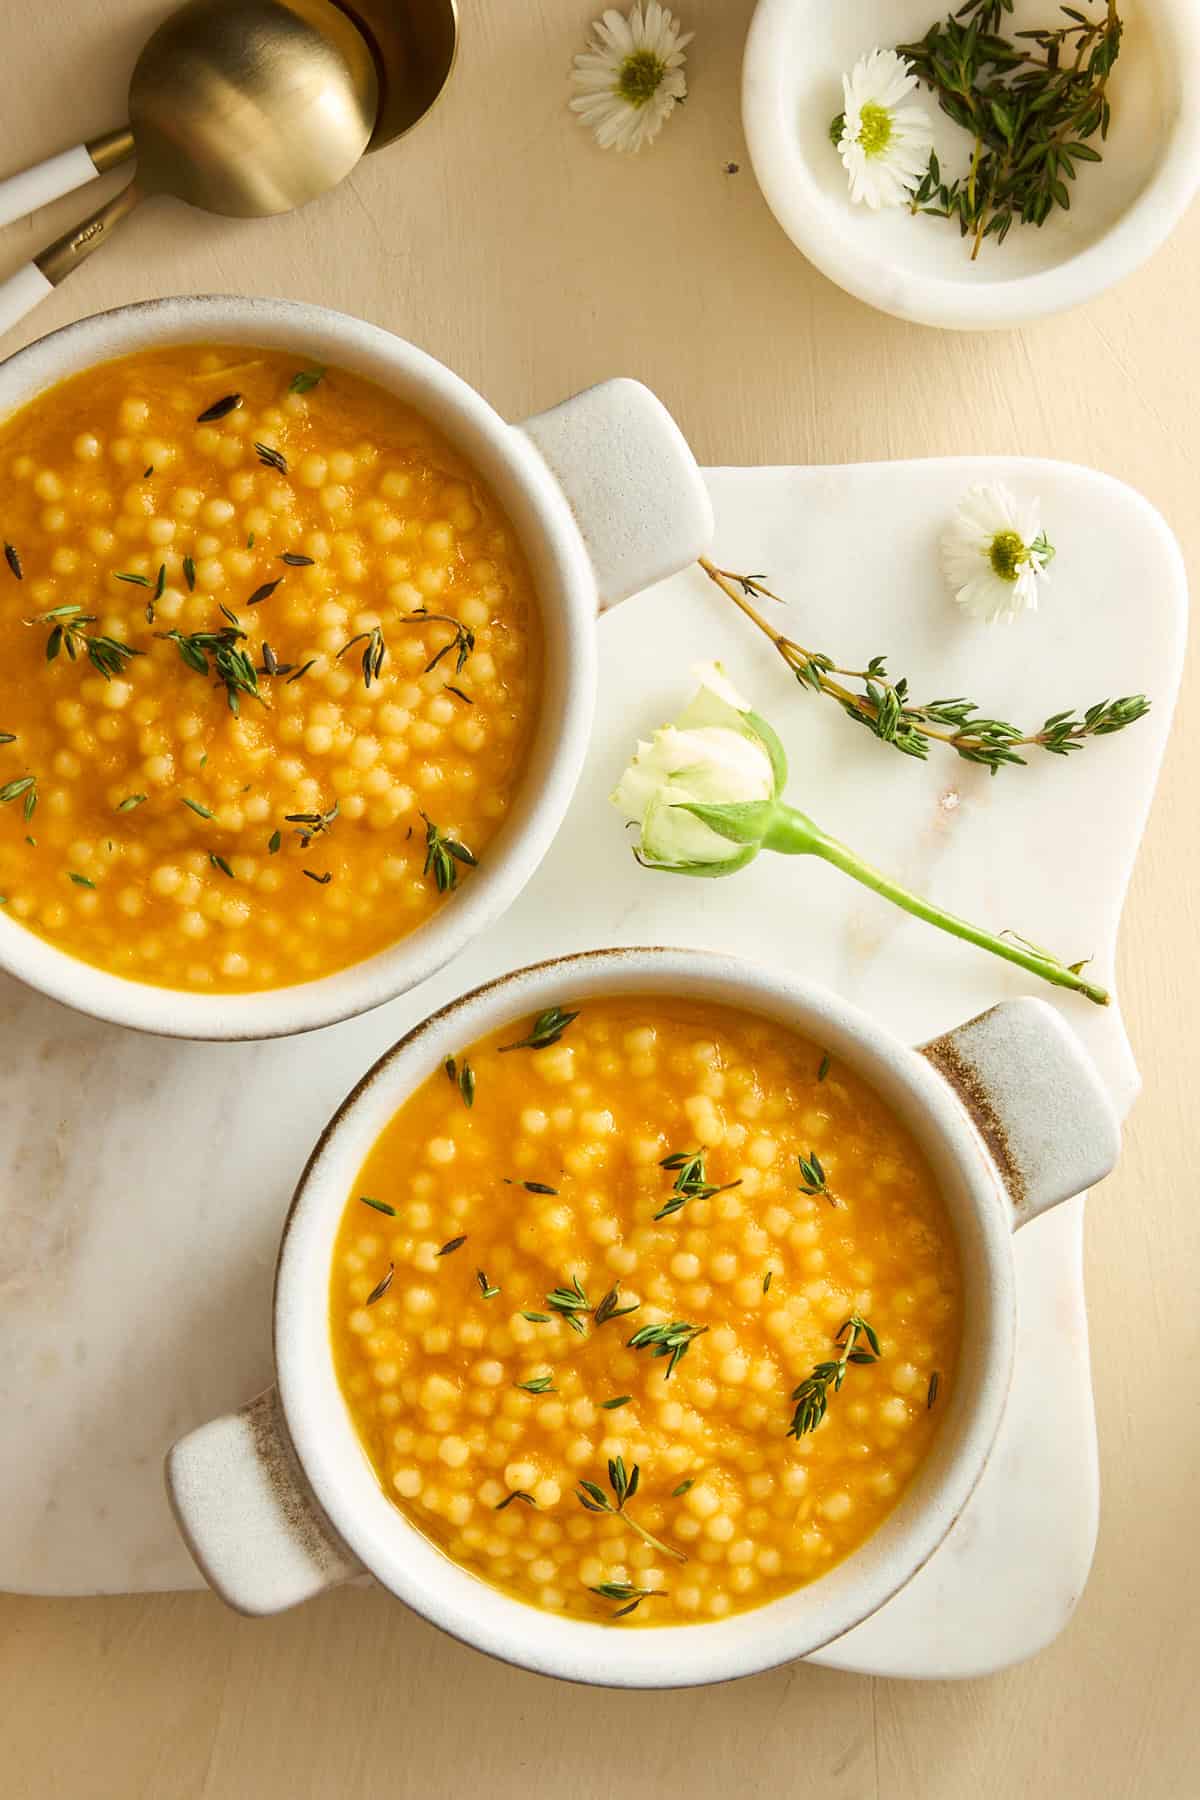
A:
{"points": [[1006, 553], [640, 76], [874, 129]]}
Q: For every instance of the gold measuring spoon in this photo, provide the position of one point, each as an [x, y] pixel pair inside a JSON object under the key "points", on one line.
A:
{"points": [[414, 43], [246, 110]]}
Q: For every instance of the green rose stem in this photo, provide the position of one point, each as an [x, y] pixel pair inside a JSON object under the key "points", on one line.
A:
{"points": [[795, 834]]}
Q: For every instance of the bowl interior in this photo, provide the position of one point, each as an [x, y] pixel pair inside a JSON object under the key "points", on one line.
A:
{"points": [[565, 588], [415, 1569], [797, 54]]}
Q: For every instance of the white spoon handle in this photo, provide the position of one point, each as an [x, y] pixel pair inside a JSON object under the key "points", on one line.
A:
{"points": [[46, 181], [20, 294]]}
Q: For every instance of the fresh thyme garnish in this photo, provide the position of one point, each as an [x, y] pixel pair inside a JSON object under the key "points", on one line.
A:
{"points": [[815, 1179], [274, 459], [13, 560], [321, 880], [218, 862], [885, 709], [767, 1279], [379, 1205], [219, 409], [381, 1288], [691, 1182], [231, 665], [458, 693], [538, 1187], [624, 1590], [463, 640], [12, 790], [463, 1079], [189, 574], [148, 472], [133, 580], [932, 1391], [683, 1487], [572, 1304], [452, 1244], [8, 737], [264, 592], [667, 1340], [305, 379], [548, 1027], [271, 664], [1030, 105], [624, 1487], [823, 1070], [812, 1396], [537, 1384], [80, 880], [302, 670], [249, 540], [160, 588], [201, 812], [485, 1287], [295, 561], [537, 1318], [311, 825], [108, 656], [517, 1494], [273, 842], [618, 1400], [372, 656], [130, 801], [443, 855]]}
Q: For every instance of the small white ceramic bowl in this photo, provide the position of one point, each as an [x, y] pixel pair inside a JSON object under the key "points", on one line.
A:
{"points": [[279, 1501], [605, 497], [919, 268]]}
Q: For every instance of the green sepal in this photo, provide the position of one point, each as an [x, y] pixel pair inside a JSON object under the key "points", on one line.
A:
{"points": [[769, 740], [706, 870], [741, 821]]}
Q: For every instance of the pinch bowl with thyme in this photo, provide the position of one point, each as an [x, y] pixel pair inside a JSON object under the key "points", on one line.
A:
{"points": [[296, 655], [645, 1317]]}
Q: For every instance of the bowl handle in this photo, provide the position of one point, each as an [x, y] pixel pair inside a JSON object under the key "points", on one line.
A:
{"points": [[247, 1513], [631, 482], [1037, 1100]]}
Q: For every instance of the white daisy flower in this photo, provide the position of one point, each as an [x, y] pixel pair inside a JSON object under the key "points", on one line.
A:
{"points": [[995, 553], [631, 75], [884, 140]]}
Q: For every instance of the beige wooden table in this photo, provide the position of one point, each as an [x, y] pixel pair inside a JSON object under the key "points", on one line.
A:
{"points": [[505, 243]]}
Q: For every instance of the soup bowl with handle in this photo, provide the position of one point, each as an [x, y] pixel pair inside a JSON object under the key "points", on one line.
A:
{"points": [[279, 1501], [605, 498]]}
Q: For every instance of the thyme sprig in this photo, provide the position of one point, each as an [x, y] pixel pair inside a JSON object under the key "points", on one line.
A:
{"points": [[462, 1078], [671, 1340], [624, 1486], [372, 657], [233, 668], [813, 1177], [812, 1396], [13, 558], [311, 825], [443, 855], [13, 790], [1030, 104], [885, 709], [462, 642], [691, 1182], [572, 1305], [625, 1591], [107, 655], [547, 1028]]}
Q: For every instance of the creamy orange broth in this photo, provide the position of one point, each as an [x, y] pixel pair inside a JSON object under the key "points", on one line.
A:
{"points": [[433, 1339], [159, 845]]}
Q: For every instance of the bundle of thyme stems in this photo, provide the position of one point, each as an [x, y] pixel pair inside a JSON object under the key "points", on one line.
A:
{"points": [[884, 707], [1030, 103]]}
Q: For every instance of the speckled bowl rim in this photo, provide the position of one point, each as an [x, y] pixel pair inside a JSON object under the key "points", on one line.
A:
{"points": [[802, 209], [407, 1563], [566, 588]]}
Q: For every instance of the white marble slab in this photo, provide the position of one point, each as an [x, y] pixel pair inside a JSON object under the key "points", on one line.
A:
{"points": [[142, 1182]]}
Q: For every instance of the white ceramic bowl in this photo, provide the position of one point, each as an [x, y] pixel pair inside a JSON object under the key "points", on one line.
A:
{"points": [[919, 268], [605, 497], [279, 1501]]}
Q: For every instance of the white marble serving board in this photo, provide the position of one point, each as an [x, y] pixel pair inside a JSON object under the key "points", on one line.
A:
{"points": [[143, 1181]]}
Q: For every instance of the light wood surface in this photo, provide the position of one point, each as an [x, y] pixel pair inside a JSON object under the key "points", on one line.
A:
{"points": [[505, 243]]}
